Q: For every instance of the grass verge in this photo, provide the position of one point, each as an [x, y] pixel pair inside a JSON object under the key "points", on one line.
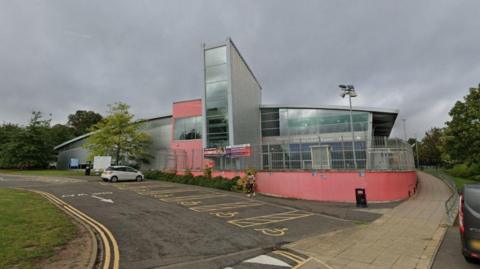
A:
{"points": [[31, 228], [459, 182], [45, 172]]}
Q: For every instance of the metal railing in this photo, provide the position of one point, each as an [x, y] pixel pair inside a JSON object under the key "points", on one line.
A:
{"points": [[303, 153]]}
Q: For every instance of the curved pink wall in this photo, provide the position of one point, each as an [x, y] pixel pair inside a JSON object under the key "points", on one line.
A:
{"points": [[338, 186]]}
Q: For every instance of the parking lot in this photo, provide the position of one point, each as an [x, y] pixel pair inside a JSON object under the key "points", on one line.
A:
{"points": [[163, 224]]}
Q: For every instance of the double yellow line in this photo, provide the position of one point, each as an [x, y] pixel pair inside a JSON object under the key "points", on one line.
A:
{"points": [[108, 241]]}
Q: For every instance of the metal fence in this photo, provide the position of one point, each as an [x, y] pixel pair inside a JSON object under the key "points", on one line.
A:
{"points": [[306, 153]]}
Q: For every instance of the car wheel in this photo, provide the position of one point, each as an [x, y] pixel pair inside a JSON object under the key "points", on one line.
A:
{"points": [[114, 179], [139, 178], [470, 259]]}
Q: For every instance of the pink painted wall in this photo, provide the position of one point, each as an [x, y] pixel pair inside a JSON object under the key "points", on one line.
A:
{"points": [[188, 108], [338, 186], [193, 157], [333, 186]]}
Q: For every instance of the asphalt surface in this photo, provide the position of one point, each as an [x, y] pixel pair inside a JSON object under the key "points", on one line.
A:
{"points": [[450, 253], [167, 225]]}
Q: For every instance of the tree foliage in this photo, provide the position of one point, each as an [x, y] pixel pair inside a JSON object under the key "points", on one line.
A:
{"points": [[429, 149], [462, 135], [117, 135], [82, 121]]}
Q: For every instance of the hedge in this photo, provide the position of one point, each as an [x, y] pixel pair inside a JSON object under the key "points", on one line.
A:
{"points": [[215, 182]]}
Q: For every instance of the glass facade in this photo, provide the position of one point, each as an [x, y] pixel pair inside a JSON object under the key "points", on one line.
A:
{"points": [[291, 121], [188, 128], [216, 96]]}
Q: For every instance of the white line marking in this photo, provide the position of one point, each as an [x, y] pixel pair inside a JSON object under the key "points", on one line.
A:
{"points": [[100, 193], [264, 259], [102, 199]]}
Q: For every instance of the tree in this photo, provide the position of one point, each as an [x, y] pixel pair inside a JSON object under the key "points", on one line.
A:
{"points": [[462, 135], [60, 133], [28, 147], [118, 136], [83, 120], [429, 150]]}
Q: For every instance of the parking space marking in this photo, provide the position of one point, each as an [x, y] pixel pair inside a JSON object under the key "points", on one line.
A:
{"points": [[267, 219], [190, 203], [273, 232], [224, 214], [217, 207], [293, 257], [169, 191], [193, 197]]}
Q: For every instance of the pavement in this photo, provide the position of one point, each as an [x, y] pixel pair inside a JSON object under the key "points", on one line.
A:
{"points": [[407, 236], [166, 225]]}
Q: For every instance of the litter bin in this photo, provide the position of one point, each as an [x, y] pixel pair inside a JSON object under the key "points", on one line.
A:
{"points": [[361, 196], [87, 170]]}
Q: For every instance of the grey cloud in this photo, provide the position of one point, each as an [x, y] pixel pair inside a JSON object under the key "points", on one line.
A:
{"points": [[60, 56]]}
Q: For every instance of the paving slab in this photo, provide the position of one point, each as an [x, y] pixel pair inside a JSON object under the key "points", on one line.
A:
{"points": [[407, 236]]}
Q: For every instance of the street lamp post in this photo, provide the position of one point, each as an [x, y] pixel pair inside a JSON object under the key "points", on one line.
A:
{"points": [[350, 91]]}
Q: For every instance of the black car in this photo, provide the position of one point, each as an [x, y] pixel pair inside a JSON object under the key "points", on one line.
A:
{"points": [[469, 222]]}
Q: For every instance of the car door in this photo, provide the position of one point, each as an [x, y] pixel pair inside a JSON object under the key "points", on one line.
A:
{"points": [[130, 173], [121, 173]]}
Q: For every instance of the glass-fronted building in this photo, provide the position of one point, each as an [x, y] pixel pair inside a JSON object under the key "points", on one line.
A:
{"points": [[231, 113]]}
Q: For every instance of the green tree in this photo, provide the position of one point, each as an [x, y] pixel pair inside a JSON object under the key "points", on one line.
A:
{"points": [[462, 134], [118, 136], [28, 147], [429, 150], [83, 120], [60, 133]]}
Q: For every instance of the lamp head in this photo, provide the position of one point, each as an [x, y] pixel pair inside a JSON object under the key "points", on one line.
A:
{"points": [[342, 86]]}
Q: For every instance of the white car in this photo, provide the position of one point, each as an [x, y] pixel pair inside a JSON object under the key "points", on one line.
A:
{"points": [[117, 173]]}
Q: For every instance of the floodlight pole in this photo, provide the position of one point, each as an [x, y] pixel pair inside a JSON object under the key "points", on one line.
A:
{"points": [[353, 134], [350, 91]]}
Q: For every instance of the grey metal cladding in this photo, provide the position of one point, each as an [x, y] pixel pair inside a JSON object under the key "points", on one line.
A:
{"points": [[246, 100], [158, 129]]}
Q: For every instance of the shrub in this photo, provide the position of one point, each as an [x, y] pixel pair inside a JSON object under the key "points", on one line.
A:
{"points": [[459, 170], [207, 172], [216, 182]]}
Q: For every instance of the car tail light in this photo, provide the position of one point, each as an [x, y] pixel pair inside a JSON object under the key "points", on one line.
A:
{"points": [[461, 204]]}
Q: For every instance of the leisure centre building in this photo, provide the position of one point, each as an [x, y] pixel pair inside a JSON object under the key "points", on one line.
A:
{"points": [[300, 151]]}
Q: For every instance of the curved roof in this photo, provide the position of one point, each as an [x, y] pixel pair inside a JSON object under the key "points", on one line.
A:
{"points": [[88, 134]]}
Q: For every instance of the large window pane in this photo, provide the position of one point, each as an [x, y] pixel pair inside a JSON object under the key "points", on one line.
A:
{"points": [[216, 73], [217, 90], [188, 128], [216, 56], [314, 121]]}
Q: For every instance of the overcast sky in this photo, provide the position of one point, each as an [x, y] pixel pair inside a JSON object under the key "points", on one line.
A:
{"points": [[62, 56]]}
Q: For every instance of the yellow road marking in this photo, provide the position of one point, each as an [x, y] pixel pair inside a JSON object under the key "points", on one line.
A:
{"points": [[304, 262], [297, 259], [192, 197], [273, 232], [273, 218], [168, 191], [96, 225], [216, 207], [224, 214], [190, 203]]}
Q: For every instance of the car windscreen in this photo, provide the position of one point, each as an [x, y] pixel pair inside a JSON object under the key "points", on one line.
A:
{"points": [[472, 198], [109, 169]]}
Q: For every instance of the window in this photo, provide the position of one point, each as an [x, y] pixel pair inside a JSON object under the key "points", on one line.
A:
{"points": [[216, 100], [188, 128]]}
